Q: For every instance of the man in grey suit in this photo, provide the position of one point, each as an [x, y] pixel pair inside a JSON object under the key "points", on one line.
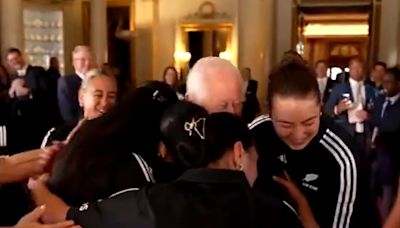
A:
{"points": [[68, 86]]}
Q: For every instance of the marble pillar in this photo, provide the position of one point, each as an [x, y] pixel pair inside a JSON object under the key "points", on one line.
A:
{"points": [[12, 31], [98, 30], [389, 32]]}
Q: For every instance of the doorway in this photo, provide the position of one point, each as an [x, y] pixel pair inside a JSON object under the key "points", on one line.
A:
{"points": [[335, 34]]}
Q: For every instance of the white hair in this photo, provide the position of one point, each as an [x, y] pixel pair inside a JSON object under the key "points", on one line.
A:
{"points": [[203, 70], [92, 74]]}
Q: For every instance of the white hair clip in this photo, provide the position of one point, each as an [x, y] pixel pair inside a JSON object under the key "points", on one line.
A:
{"points": [[155, 95], [194, 126]]}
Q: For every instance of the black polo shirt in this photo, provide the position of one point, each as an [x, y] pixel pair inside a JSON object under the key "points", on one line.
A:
{"points": [[199, 198]]}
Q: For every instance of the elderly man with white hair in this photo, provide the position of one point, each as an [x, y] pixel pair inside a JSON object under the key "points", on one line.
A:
{"points": [[216, 85], [68, 86]]}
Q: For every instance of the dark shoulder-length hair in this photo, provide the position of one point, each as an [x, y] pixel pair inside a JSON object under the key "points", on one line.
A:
{"points": [[98, 147], [170, 68]]}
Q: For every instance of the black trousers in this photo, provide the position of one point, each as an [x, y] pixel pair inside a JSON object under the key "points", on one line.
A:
{"points": [[362, 150]]}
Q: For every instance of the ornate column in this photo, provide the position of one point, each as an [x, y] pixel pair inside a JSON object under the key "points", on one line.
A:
{"points": [[98, 30], [389, 32], [255, 45], [12, 31], [283, 28], [144, 41]]}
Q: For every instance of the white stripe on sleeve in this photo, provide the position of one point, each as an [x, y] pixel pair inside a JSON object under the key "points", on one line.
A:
{"points": [[348, 178], [260, 119], [1, 136], [123, 191], [354, 172], [149, 177], [46, 138], [5, 135], [149, 170]]}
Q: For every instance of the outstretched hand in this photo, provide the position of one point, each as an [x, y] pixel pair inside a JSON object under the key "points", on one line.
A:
{"points": [[28, 164], [291, 188], [305, 213], [31, 220]]}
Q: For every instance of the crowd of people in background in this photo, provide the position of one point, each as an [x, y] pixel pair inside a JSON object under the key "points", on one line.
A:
{"points": [[88, 151]]}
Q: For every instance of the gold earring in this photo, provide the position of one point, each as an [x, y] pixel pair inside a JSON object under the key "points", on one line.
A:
{"points": [[240, 167]]}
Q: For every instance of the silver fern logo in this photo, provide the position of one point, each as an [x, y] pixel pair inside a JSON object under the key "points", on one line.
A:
{"points": [[310, 177]]}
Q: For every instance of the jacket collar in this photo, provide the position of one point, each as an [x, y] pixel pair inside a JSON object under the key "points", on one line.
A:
{"points": [[206, 175]]}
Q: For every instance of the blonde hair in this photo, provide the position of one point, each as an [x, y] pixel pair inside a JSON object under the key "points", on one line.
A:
{"points": [[92, 74], [80, 48]]}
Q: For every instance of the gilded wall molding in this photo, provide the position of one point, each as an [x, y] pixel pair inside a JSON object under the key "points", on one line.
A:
{"points": [[207, 13]]}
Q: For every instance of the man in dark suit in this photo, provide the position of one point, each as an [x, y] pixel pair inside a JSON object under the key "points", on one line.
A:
{"points": [[385, 121], [376, 78], [32, 109], [30, 118], [350, 102], [68, 86], [325, 83], [53, 72], [251, 106]]}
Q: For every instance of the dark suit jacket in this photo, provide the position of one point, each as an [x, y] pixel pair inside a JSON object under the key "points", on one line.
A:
{"points": [[53, 76], [251, 107], [31, 116], [328, 90], [389, 126], [336, 97], [67, 94], [252, 87]]}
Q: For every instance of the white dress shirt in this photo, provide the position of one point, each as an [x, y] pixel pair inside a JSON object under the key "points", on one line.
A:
{"points": [[22, 72], [82, 76], [358, 87], [322, 82], [359, 97]]}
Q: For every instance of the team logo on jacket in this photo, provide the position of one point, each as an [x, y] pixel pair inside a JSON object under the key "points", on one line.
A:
{"points": [[282, 158], [84, 207], [308, 181]]}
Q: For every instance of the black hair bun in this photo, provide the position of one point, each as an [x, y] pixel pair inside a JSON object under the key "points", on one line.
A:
{"points": [[291, 57], [191, 155], [182, 132]]}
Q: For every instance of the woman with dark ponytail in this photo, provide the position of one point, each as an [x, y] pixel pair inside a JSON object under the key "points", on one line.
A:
{"points": [[215, 191], [315, 152], [115, 151]]}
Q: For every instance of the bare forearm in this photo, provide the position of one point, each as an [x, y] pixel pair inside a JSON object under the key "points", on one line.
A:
{"points": [[19, 167], [393, 220], [306, 216], [7, 175], [56, 208]]}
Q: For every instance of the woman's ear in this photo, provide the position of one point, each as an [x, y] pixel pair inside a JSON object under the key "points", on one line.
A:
{"points": [[162, 151], [188, 97], [238, 155], [80, 97]]}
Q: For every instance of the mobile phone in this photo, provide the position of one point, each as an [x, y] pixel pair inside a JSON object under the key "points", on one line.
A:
{"points": [[346, 95]]}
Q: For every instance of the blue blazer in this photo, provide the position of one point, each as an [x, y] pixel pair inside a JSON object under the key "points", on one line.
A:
{"points": [[67, 94], [336, 97], [389, 125]]}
